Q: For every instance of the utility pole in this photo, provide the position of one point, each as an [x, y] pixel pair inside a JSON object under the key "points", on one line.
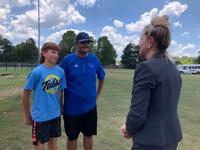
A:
{"points": [[38, 31]]}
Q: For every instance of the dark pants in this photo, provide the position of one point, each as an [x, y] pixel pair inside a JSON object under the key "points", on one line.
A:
{"points": [[137, 146]]}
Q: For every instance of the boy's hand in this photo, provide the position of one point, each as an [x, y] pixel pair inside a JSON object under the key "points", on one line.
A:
{"points": [[28, 120]]}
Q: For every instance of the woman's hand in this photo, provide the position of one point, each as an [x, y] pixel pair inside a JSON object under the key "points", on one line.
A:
{"points": [[124, 132]]}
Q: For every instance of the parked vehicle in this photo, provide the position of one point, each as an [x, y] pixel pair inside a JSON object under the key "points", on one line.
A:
{"points": [[189, 68]]}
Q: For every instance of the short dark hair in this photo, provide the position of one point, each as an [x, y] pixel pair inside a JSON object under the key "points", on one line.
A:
{"points": [[48, 46]]}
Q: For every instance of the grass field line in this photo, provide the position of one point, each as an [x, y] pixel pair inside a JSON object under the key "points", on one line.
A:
{"points": [[10, 92]]}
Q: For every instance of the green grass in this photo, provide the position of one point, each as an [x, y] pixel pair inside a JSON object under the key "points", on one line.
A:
{"points": [[13, 78], [112, 109]]}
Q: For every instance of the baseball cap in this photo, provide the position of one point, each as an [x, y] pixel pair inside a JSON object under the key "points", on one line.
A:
{"points": [[82, 37]]}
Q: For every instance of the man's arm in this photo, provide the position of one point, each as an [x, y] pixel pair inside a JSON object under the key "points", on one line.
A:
{"points": [[26, 107], [99, 88]]}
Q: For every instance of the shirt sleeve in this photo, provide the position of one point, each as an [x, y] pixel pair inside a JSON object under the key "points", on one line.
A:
{"points": [[63, 64], [144, 82], [100, 70], [32, 80], [63, 84]]}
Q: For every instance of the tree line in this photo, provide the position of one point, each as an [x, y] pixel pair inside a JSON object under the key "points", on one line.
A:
{"points": [[27, 51]]}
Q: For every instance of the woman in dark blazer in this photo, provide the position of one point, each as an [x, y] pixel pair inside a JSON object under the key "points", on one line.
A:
{"points": [[152, 120]]}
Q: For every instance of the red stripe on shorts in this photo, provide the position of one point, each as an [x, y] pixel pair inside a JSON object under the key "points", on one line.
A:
{"points": [[34, 132]]}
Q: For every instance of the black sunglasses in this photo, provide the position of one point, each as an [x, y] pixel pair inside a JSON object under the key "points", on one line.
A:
{"points": [[85, 42]]}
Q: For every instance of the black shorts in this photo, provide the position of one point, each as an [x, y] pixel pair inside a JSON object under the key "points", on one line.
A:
{"points": [[85, 123], [43, 131]]}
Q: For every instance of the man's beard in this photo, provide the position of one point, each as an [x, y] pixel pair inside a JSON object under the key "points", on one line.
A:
{"points": [[82, 52]]}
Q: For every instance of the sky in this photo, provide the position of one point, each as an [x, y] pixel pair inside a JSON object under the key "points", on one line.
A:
{"points": [[121, 21]]}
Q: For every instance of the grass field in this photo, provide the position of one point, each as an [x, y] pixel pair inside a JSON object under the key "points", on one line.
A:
{"points": [[112, 109]]}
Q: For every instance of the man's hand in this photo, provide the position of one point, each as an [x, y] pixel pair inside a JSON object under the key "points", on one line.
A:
{"points": [[97, 96], [124, 132], [61, 110], [100, 85]]}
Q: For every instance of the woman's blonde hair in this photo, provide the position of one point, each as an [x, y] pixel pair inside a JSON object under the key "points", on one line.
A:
{"points": [[47, 46], [159, 30]]}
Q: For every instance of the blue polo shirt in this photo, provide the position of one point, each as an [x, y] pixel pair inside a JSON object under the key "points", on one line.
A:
{"points": [[81, 74]]}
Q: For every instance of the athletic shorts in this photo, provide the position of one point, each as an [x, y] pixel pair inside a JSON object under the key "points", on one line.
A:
{"points": [[43, 131], [85, 123]]}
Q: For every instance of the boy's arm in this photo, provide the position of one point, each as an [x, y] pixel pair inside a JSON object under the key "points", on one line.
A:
{"points": [[26, 107], [61, 101]]}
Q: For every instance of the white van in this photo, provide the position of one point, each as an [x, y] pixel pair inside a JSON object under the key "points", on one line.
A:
{"points": [[189, 68]]}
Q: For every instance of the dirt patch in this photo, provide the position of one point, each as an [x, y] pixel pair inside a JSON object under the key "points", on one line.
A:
{"points": [[10, 92], [7, 75]]}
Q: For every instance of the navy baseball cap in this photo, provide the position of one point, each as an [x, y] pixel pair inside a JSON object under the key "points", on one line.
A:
{"points": [[82, 37]]}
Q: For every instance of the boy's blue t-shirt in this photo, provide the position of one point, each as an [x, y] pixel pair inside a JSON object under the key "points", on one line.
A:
{"points": [[46, 84], [81, 74]]}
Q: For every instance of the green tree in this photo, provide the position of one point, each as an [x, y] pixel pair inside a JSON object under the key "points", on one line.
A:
{"points": [[67, 43], [130, 57], [93, 46], [26, 51], [177, 60], [197, 60], [187, 60], [106, 51], [6, 50]]}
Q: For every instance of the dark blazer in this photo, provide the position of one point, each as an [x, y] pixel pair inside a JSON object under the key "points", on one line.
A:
{"points": [[152, 118]]}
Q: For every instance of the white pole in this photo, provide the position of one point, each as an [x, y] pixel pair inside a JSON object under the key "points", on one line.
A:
{"points": [[38, 31]]}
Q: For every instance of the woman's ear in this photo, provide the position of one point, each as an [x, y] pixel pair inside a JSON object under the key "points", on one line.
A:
{"points": [[150, 41]]}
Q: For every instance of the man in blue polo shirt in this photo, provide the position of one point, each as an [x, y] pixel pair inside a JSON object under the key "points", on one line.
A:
{"points": [[80, 113]]}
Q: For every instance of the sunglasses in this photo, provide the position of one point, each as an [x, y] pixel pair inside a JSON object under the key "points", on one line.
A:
{"points": [[85, 42]]}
